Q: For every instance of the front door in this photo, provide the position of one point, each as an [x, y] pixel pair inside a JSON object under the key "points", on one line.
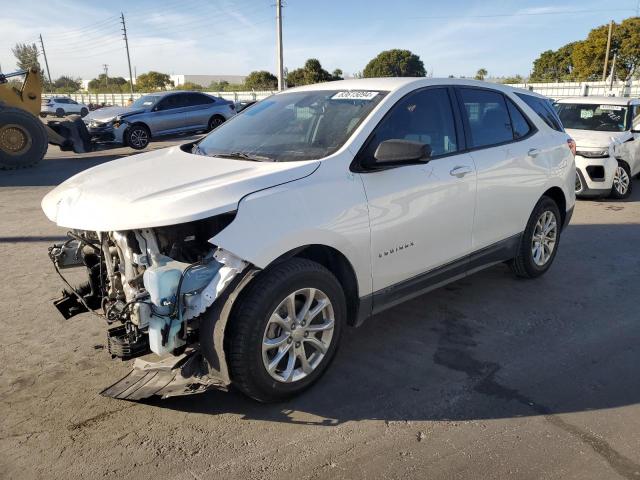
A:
{"points": [[169, 115], [421, 215]]}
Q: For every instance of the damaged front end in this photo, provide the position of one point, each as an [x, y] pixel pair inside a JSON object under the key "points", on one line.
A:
{"points": [[157, 289]]}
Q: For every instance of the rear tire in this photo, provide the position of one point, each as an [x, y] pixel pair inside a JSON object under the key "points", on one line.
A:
{"points": [[273, 372], [23, 139], [540, 240], [215, 122], [622, 183]]}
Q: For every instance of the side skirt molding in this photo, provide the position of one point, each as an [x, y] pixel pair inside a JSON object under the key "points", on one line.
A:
{"points": [[425, 282]]}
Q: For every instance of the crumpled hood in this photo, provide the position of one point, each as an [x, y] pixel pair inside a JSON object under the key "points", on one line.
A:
{"points": [[164, 187], [594, 139], [107, 114]]}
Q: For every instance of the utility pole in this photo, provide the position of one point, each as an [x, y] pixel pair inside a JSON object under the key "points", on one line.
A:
{"points": [[45, 59], [613, 71], [106, 74], [279, 44], [606, 56], [126, 43]]}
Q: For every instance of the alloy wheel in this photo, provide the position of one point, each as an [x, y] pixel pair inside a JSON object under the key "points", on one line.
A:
{"points": [[621, 180], [138, 137], [545, 235], [298, 335]]}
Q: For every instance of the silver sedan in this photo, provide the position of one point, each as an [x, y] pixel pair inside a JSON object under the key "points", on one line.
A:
{"points": [[158, 114]]}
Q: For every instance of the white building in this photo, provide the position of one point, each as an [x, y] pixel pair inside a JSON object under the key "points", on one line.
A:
{"points": [[206, 80]]}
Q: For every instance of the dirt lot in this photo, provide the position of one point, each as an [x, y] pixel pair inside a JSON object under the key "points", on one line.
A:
{"points": [[490, 377]]}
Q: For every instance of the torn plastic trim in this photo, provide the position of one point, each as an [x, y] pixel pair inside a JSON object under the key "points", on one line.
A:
{"points": [[173, 376], [200, 368]]}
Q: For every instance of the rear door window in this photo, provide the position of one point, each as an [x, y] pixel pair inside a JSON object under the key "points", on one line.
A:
{"points": [[194, 99], [487, 116], [544, 109]]}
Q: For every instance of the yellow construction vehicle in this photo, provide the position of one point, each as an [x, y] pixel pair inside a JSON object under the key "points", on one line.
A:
{"points": [[24, 138]]}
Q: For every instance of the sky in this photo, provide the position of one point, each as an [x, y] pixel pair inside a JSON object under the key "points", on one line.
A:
{"points": [[225, 37]]}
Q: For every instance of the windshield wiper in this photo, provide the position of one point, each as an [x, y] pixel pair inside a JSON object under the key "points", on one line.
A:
{"points": [[243, 156]]}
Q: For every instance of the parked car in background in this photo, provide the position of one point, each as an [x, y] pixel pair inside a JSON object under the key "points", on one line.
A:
{"points": [[61, 106], [607, 135], [243, 104], [317, 208], [158, 114]]}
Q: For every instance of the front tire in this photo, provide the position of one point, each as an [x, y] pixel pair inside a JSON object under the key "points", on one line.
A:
{"points": [[622, 184], [285, 330], [540, 240], [59, 112], [137, 137], [23, 139], [84, 112]]}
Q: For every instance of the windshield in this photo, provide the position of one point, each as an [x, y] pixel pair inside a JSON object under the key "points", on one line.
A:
{"points": [[145, 101], [292, 126], [604, 118]]}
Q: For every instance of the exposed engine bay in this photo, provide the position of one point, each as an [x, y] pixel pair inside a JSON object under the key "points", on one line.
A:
{"points": [[153, 287]]}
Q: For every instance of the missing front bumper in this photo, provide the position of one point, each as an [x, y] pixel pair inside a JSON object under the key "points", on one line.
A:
{"points": [[182, 375]]}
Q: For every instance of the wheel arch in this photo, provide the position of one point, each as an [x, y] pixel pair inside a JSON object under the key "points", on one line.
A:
{"points": [[338, 264], [557, 195], [140, 123]]}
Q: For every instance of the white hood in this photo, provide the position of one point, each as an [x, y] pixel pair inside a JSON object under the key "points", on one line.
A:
{"points": [[595, 139], [165, 187]]}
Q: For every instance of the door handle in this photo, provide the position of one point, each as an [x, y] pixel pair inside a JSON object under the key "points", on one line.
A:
{"points": [[460, 171], [533, 152]]}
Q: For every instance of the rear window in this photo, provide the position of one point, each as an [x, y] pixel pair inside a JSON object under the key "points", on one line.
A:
{"points": [[544, 109]]}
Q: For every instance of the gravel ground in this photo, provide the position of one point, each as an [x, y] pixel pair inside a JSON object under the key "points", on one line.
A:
{"points": [[489, 377]]}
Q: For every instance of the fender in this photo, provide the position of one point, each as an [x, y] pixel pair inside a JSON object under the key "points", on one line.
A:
{"points": [[325, 208]]}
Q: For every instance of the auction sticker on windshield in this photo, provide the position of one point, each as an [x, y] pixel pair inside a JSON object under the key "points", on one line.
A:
{"points": [[611, 107], [355, 95]]}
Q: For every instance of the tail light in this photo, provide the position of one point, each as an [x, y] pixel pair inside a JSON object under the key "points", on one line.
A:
{"points": [[572, 146]]}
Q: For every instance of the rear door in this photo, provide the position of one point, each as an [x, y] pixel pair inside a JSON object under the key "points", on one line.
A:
{"points": [[511, 161], [420, 215], [169, 116], [198, 110]]}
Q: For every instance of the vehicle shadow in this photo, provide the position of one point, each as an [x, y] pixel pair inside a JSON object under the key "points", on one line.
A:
{"points": [[488, 346]]}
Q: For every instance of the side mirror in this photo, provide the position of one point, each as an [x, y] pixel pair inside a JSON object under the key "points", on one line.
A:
{"points": [[396, 152]]}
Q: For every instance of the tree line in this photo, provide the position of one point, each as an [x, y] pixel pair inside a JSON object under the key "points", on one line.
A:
{"points": [[583, 60]]}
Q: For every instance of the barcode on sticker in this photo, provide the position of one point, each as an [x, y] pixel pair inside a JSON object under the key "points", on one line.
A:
{"points": [[354, 95], [610, 107]]}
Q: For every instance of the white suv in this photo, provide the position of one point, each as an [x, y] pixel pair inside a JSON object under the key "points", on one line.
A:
{"points": [[607, 135], [241, 258], [61, 106]]}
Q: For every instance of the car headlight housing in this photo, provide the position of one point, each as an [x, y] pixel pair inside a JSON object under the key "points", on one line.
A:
{"points": [[594, 153]]}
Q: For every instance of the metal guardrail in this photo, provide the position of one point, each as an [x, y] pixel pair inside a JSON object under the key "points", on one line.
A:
{"points": [[122, 99]]}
